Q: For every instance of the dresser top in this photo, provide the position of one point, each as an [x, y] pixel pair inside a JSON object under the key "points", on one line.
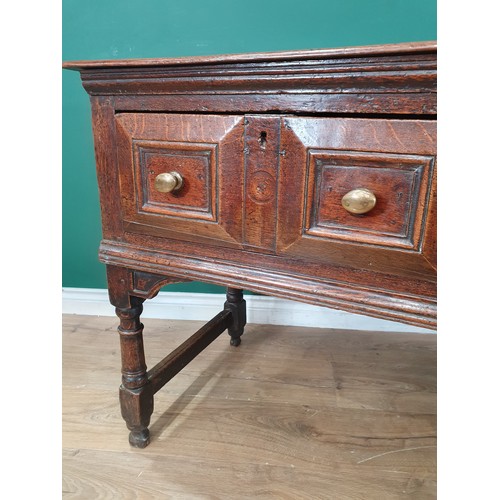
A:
{"points": [[377, 79], [297, 55]]}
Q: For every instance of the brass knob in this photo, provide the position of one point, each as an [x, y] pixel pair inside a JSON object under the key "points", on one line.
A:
{"points": [[359, 201], [168, 182]]}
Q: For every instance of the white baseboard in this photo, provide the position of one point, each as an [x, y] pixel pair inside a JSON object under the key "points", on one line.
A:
{"points": [[203, 306]]}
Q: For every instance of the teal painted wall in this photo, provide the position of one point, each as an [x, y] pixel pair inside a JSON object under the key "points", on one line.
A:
{"points": [[115, 29]]}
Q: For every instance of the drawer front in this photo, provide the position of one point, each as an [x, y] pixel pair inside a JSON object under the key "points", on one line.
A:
{"points": [[328, 158], [271, 184], [201, 155]]}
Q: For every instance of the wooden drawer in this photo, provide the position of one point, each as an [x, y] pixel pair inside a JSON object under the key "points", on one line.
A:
{"points": [[267, 145], [206, 150], [274, 184], [326, 158]]}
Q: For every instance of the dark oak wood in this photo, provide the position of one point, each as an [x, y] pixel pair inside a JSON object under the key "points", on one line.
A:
{"points": [[172, 364], [324, 158], [262, 149], [236, 305], [205, 151], [384, 50], [267, 145], [136, 391], [396, 78]]}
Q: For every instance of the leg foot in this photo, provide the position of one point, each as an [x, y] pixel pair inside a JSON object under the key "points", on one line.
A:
{"points": [[237, 305], [235, 341], [139, 439]]}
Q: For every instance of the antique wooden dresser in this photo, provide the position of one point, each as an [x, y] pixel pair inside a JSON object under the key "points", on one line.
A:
{"points": [[309, 175]]}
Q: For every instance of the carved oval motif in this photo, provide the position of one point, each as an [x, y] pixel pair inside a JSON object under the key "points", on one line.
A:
{"points": [[261, 187]]}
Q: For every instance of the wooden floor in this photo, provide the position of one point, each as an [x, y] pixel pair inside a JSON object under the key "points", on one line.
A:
{"points": [[293, 413]]}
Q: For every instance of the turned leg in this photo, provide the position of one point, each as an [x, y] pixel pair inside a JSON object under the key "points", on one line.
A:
{"points": [[136, 394], [237, 305], [127, 291]]}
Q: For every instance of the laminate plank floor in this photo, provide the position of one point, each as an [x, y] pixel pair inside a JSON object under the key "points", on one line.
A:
{"points": [[292, 413]]}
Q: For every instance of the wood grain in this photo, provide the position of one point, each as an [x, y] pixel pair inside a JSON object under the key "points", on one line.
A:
{"points": [[255, 137], [391, 78], [293, 413], [206, 151], [397, 147], [298, 55], [267, 145]]}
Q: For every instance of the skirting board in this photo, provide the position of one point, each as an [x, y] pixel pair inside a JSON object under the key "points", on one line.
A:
{"points": [[261, 310]]}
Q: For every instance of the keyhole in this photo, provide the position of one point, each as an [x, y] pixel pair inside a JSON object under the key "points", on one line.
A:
{"points": [[263, 140]]}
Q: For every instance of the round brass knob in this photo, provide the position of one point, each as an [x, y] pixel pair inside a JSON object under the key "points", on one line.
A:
{"points": [[168, 182], [359, 201]]}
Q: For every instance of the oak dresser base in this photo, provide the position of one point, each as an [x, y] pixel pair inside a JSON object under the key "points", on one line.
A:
{"points": [[307, 175]]}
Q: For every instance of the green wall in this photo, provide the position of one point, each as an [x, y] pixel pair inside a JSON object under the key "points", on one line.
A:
{"points": [[116, 29]]}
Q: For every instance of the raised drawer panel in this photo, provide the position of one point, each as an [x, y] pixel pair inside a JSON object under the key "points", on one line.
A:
{"points": [[206, 150], [325, 159]]}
